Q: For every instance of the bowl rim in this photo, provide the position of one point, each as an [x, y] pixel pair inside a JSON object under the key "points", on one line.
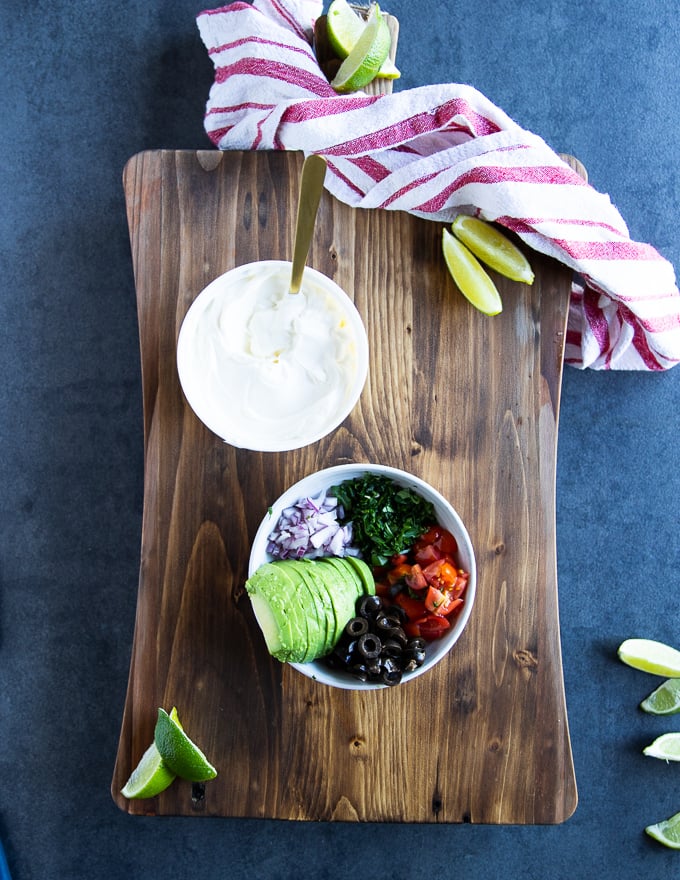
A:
{"points": [[315, 670], [345, 303]]}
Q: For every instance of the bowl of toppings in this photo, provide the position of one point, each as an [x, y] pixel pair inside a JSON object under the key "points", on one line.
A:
{"points": [[361, 576], [270, 370]]}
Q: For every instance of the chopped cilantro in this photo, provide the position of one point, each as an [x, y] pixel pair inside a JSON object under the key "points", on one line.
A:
{"points": [[386, 518]]}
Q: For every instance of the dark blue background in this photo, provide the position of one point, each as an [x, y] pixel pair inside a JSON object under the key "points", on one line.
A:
{"points": [[83, 87]]}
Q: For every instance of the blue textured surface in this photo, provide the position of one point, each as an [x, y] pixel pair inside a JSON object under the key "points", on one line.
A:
{"points": [[85, 86]]}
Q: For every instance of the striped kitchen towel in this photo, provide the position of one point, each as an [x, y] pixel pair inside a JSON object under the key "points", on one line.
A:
{"points": [[437, 151]]}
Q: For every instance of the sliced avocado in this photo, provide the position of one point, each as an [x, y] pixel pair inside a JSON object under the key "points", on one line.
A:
{"points": [[277, 607], [349, 575], [343, 590], [365, 574], [311, 604], [324, 606]]}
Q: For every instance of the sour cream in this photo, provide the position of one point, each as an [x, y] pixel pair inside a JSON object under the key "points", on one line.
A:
{"points": [[268, 370]]}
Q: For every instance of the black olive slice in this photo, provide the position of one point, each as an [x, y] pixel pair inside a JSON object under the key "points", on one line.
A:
{"points": [[369, 645], [369, 606], [356, 627]]}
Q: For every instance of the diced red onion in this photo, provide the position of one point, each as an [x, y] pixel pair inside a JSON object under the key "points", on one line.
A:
{"points": [[310, 528]]}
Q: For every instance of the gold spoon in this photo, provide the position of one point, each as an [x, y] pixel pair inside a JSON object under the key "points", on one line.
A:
{"points": [[311, 187]]}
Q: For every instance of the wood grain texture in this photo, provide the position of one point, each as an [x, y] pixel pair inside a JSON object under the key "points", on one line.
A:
{"points": [[469, 403]]}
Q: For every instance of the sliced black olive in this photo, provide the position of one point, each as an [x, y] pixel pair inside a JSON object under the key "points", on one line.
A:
{"points": [[397, 613], [369, 645], [416, 643], [356, 627], [399, 634], [369, 606], [385, 625], [417, 656], [392, 648], [391, 678]]}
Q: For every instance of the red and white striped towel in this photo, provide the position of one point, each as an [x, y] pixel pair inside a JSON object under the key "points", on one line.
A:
{"points": [[437, 151]]}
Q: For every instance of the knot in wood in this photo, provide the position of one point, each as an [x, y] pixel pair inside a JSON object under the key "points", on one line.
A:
{"points": [[262, 209], [525, 659]]}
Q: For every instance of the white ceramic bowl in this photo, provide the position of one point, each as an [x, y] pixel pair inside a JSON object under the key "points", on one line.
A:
{"points": [[446, 517], [268, 370]]}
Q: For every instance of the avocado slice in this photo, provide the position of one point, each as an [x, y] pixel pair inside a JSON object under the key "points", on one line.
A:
{"points": [[278, 609], [316, 612], [344, 589], [318, 588], [364, 572]]}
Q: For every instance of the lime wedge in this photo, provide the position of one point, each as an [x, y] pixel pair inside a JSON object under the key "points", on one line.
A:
{"points": [[665, 700], [150, 777], [472, 280], [651, 656], [179, 752], [666, 747], [344, 27], [493, 248], [666, 832], [366, 57]]}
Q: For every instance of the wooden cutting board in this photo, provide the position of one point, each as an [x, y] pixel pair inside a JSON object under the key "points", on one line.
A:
{"points": [[467, 402]]}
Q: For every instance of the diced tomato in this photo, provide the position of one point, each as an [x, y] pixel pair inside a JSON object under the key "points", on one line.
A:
{"points": [[398, 573], [453, 605], [461, 583], [426, 582], [416, 580], [435, 600], [412, 627], [441, 539], [441, 574], [426, 554], [429, 628], [441, 603], [414, 608]]}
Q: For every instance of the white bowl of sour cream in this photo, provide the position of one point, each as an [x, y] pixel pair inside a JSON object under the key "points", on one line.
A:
{"points": [[266, 369]]}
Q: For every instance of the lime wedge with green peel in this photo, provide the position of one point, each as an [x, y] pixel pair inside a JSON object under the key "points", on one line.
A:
{"points": [[666, 747], [344, 27], [150, 777], [650, 656], [666, 832], [366, 57], [179, 753], [665, 700], [470, 277], [493, 248]]}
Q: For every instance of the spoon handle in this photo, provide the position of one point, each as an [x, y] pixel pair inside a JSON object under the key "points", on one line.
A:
{"points": [[311, 187]]}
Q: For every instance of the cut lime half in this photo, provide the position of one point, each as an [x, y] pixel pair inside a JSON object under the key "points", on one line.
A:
{"points": [[650, 656]]}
